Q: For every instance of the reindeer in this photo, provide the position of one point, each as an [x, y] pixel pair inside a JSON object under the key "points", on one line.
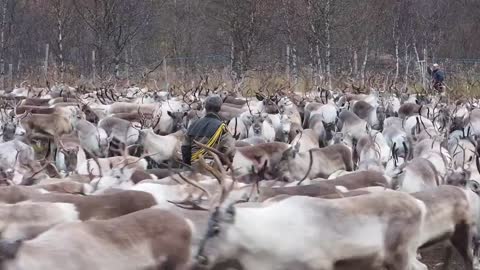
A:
{"points": [[9, 126], [50, 126], [327, 114], [393, 122], [13, 152], [239, 126], [257, 156], [250, 142], [92, 138], [462, 151], [103, 206], [314, 163], [161, 240], [309, 108], [35, 110], [64, 186], [417, 175], [436, 153], [451, 215], [473, 123], [307, 140], [398, 140], [171, 122], [35, 102], [320, 187], [281, 123], [163, 147], [17, 193], [68, 154], [227, 222], [120, 129], [227, 113], [351, 126], [373, 115], [416, 125], [369, 154], [26, 220], [262, 127], [410, 109], [102, 166], [267, 104]]}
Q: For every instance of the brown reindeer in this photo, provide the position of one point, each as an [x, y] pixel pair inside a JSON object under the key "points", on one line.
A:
{"points": [[148, 239]]}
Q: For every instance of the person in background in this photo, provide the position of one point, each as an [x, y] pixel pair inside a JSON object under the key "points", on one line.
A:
{"points": [[437, 77], [209, 130]]}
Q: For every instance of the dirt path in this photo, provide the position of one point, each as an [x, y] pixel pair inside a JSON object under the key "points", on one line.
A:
{"points": [[434, 256]]}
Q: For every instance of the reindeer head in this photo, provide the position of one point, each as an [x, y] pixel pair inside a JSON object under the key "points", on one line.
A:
{"points": [[178, 120], [222, 218], [90, 114], [282, 170], [339, 138], [9, 129], [458, 177], [381, 115], [70, 156], [257, 125], [286, 126], [270, 103], [220, 223]]}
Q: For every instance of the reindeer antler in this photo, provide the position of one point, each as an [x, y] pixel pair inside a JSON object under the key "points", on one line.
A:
{"points": [[216, 154]]}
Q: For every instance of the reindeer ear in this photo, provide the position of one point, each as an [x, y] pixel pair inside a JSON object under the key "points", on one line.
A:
{"points": [[474, 186], [259, 97]]}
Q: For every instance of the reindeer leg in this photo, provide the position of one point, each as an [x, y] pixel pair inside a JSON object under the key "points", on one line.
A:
{"points": [[461, 240], [51, 150]]}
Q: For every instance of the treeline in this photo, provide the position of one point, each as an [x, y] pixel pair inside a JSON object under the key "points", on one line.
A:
{"points": [[325, 38]]}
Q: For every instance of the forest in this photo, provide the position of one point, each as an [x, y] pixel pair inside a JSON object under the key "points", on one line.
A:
{"points": [[306, 42]]}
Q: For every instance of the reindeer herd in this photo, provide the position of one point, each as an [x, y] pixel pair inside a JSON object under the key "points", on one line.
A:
{"points": [[327, 180]]}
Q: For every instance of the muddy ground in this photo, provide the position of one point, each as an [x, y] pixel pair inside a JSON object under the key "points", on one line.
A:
{"points": [[433, 259]]}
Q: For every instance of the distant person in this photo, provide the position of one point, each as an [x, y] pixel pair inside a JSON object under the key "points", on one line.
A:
{"points": [[209, 130], [438, 76]]}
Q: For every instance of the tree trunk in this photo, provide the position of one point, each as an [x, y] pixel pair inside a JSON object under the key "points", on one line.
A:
{"points": [[234, 59], [10, 76], [116, 61], [364, 64], [288, 62], [312, 66], [47, 47], [397, 61], [417, 56], [328, 44], [94, 69], [3, 45], [294, 66], [165, 70], [355, 63], [19, 63], [407, 64], [59, 14], [127, 75]]}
